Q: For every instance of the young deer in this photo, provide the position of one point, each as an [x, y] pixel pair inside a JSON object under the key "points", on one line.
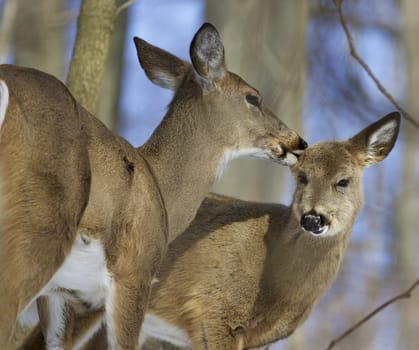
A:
{"points": [[247, 274], [87, 216]]}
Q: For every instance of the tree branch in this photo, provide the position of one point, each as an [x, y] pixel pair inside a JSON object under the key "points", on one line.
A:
{"points": [[364, 65], [404, 295], [124, 6]]}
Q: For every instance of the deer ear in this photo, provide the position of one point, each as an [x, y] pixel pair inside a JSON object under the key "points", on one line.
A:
{"points": [[376, 141], [207, 53], [161, 67]]}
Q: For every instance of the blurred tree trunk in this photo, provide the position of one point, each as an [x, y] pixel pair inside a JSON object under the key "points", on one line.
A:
{"points": [[407, 208], [38, 35], [108, 106], [7, 21], [266, 46], [95, 25]]}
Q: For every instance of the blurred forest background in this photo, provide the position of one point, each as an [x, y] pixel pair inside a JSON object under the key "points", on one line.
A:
{"points": [[295, 52]]}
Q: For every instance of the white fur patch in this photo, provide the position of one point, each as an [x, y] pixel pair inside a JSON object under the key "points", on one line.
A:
{"points": [[289, 159], [155, 327], [110, 326], [83, 272], [245, 152], [164, 80], [381, 136], [4, 101], [56, 327]]}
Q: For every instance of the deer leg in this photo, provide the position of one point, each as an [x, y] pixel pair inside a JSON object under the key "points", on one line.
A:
{"points": [[125, 310], [139, 257], [26, 269], [56, 319], [84, 328], [42, 211], [34, 341]]}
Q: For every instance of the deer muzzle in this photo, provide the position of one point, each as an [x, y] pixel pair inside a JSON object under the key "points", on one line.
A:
{"points": [[286, 155], [314, 223]]}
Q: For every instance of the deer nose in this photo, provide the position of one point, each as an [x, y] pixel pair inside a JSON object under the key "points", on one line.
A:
{"points": [[314, 222], [303, 144]]}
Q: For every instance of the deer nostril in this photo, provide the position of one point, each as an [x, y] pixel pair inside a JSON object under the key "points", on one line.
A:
{"points": [[303, 144], [313, 222]]}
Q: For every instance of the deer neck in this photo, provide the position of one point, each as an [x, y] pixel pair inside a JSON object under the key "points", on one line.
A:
{"points": [[184, 161], [299, 261]]}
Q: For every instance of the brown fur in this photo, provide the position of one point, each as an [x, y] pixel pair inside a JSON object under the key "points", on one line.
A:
{"points": [[65, 172], [245, 274]]}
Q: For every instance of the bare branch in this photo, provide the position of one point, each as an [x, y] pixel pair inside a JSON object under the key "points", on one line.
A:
{"points": [[357, 57], [124, 6], [404, 295]]}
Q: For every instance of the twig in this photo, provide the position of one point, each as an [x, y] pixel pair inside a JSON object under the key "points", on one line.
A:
{"points": [[122, 7], [404, 295], [357, 57]]}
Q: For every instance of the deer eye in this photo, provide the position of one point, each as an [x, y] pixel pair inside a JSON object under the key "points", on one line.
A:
{"points": [[253, 100], [302, 179], [343, 183]]}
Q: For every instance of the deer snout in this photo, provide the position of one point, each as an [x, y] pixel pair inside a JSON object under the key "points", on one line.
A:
{"points": [[287, 154], [302, 144], [314, 223]]}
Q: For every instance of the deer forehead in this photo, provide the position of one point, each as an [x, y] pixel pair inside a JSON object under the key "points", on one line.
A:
{"points": [[236, 84], [327, 160]]}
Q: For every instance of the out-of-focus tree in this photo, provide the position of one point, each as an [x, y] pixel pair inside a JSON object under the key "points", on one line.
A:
{"points": [[266, 45], [108, 106], [7, 22], [38, 35], [407, 207], [95, 25]]}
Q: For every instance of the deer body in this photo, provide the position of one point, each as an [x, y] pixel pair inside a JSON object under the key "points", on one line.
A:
{"points": [[273, 278], [87, 216], [247, 274]]}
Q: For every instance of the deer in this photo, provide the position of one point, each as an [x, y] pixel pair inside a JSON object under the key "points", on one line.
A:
{"points": [[87, 216], [245, 274]]}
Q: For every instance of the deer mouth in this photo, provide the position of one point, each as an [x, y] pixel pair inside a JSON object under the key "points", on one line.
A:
{"points": [[284, 153], [314, 223], [318, 232], [284, 156]]}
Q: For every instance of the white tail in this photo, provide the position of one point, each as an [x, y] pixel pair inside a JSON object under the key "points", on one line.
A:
{"points": [[247, 274], [88, 216]]}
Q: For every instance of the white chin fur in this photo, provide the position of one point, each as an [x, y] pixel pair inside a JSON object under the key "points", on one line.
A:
{"points": [[325, 229], [289, 159]]}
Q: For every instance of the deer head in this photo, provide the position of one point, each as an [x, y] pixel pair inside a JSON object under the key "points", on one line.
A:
{"points": [[328, 195], [226, 102]]}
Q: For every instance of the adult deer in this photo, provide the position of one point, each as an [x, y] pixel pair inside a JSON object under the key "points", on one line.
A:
{"points": [[247, 274], [87, 216]]}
